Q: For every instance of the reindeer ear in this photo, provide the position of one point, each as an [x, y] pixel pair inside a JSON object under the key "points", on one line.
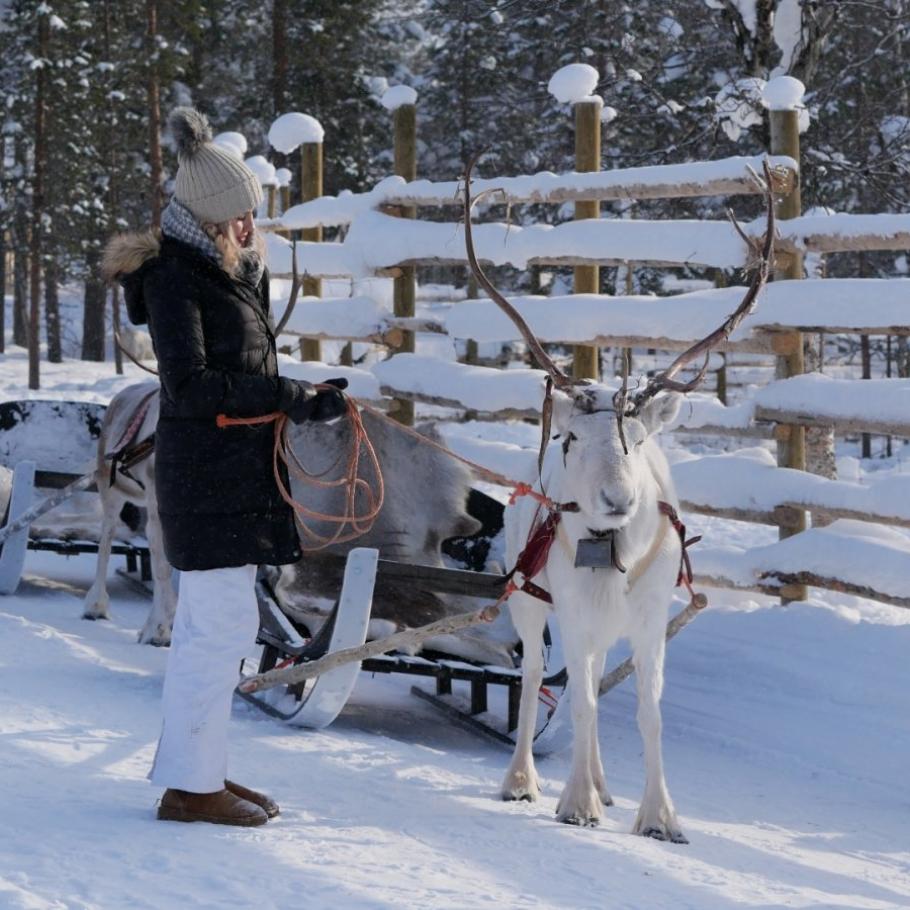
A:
{"points": [[563, 405], [660, 411]]}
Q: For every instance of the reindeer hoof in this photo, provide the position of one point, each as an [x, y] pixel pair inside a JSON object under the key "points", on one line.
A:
{"points": [[675, 837], [159, 640], [582, 821], [520, 786], [93, 615]]}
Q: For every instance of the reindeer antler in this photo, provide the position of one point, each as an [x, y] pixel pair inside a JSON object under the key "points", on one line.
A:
{"points": [[296, 284], [665, 381], [560, 379]]}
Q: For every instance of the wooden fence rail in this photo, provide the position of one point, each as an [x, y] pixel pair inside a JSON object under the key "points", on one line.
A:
{"points": [[378, 244]]}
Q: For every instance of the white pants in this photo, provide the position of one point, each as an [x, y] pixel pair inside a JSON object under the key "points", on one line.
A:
{"points": [[214, 627]]}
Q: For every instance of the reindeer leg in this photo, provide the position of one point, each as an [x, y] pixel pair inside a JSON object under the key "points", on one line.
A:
{"points": [[597, 768], [97, 603], [580, 803], [529, 619], [656, 815], [157, 628]]}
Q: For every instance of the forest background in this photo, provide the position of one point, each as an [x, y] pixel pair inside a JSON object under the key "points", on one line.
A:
{"points": [[86, 86]]}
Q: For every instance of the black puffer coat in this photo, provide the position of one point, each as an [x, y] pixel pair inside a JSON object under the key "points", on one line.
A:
{"points": [[217, 496]]}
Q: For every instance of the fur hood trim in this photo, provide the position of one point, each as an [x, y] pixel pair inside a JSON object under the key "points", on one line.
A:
{"points": [[125, 253]]}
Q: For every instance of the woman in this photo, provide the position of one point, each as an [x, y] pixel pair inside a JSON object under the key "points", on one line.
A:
{"points": [[203, 289]]}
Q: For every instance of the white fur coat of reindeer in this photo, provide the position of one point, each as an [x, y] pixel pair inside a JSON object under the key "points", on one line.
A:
{"points": [[595, 607], [606, 482]]}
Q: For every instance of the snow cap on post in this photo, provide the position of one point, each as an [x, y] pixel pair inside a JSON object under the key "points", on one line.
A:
{"points": [[785, 93], [574, 83], [263, 169], [397, 96], [294, 129], [233, 142], [283, 176]]}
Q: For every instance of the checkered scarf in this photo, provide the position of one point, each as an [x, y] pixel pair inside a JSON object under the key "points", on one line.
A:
{"points": [[178, 222]]}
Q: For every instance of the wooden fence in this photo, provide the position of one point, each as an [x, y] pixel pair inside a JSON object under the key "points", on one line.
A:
{"points": [[843, 557]]}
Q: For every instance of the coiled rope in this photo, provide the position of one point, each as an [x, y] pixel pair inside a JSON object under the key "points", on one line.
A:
{"points": [[352, 523]]}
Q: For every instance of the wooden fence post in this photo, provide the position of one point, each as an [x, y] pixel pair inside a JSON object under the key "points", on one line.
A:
{"points": [[405, 126], [791, 440], [311, 188], [586, 359]]}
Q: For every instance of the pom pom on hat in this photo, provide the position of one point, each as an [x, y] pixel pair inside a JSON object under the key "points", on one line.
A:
{"points": [[211, 181], [190, 129]]}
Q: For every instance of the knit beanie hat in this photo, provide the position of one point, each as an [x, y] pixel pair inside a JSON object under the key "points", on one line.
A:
{"points": [[211, 182]]}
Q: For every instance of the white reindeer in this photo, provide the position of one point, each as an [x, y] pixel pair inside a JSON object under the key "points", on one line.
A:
{"points": [[618, 493], [605, 480]]}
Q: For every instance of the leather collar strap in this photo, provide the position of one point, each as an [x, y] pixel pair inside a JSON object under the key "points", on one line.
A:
{"points": [[685, 564], [533, 558]]}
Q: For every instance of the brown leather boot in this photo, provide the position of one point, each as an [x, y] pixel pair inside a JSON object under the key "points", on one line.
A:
{"points": [[219, 808], [254, 796]]}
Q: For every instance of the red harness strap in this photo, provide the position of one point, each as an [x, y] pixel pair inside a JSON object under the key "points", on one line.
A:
{"points": [[129, 434], [534, 556], [532, 559], [685, 564], [124, 454]]}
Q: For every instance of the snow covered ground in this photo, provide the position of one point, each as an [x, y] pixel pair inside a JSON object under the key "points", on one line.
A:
{"points": [[786, 733]]}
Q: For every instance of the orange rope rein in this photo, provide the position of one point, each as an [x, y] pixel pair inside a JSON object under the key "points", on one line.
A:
{"points": [[519, 488], [351, 480]]}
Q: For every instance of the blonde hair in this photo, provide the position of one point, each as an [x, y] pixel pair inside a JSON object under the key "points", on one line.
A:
{"points": [[231, 252]]}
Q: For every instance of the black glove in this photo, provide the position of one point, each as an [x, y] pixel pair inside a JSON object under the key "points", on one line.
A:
{"points": [[324, 404]]}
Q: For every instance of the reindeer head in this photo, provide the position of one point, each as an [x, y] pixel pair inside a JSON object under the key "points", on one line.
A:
{"points": [[607, 471], [604, 432]]}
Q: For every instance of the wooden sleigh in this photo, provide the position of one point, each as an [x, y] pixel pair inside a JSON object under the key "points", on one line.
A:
{"points": [[461, 688], [51, 449]]}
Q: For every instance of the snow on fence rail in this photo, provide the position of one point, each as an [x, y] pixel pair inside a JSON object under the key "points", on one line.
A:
{"points": [[812, 399], [378, 243], [727, 176], [714, 484], [858, 305], [851, 405]]}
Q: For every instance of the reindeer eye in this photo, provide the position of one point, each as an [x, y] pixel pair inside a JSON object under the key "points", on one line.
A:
{"points": [[570, 438]]}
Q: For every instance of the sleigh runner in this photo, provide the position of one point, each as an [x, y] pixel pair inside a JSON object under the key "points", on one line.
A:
{"points": [[315, 704]]}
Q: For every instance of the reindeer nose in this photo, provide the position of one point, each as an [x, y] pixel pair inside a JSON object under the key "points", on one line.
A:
{"points": [[612, 506]]}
